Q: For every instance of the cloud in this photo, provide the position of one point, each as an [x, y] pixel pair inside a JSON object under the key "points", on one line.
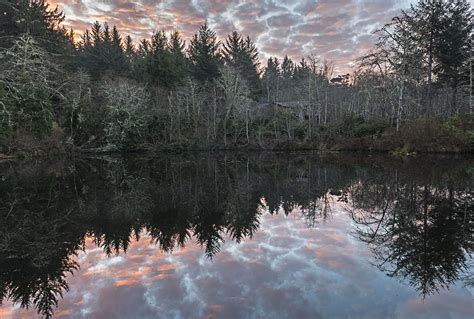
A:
{"points": [[336, 30]]}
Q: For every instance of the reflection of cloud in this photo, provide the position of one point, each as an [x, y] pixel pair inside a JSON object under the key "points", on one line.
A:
{"points": [[334, 29], [286, 271]]}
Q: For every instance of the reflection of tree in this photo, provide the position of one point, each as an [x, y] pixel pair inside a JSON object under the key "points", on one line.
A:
{"points": [[47, 212], [37, 242], [418, 231]]}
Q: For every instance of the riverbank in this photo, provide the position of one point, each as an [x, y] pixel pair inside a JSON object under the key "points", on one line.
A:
{"points": [[422, 136]]}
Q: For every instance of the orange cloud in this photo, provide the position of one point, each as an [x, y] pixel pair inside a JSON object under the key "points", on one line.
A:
{"points": [[336, 30]]}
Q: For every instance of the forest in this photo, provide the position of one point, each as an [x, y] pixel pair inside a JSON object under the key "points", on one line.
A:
{"points": [[106, 92]]}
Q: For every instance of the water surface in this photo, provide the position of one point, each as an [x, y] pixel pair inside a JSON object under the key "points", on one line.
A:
{"points": [[238, 236]]}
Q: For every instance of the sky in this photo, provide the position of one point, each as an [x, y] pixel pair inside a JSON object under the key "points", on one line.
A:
{"points": [[335, 30]]}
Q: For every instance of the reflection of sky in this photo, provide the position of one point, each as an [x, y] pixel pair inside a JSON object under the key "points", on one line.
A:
{"points": [[286, 271]]}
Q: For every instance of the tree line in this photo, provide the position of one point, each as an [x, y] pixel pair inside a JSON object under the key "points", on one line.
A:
{"points": [[106, 90]]}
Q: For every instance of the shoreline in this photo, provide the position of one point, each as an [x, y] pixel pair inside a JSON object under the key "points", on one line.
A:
{"points": [[179, 150]]}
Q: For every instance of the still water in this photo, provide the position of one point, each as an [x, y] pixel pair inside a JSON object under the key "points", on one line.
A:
{"points": [[238, 236]]}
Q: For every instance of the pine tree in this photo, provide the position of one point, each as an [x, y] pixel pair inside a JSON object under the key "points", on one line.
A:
{"points": [[106, 35], [159, 42], [164, 63], [271, 79], [176, 47], [86, 40], [144, 48], [204, 54], [454, 47], [424, 22], [96, 32], [287, 68], [251, 68], [130, 51], [232, 50], [118, 59], [36, 18], [101, 51], [242, 55], [439, 31]]}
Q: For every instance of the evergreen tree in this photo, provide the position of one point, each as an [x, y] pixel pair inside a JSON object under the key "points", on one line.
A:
{"points": [[101, 51], [118, 60], [35, 18], [158, 67], [287, 68], [164, 63], [439, 31], [232, 50], [96, 32], [242, 55], [204, 54], [424, 22], [271, 79], [129, 49], [176, 47], [251, 68], [454, 47], [144, 48]]}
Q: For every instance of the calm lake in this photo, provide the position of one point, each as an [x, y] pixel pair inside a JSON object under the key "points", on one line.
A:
{"points": [[229, 235]]}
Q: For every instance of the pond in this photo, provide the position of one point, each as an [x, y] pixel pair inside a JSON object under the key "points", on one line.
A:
{"points": [[238, 235]]}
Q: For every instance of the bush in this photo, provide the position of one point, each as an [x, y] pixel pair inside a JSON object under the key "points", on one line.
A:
{"points": [[369, 128], [356, 126]]}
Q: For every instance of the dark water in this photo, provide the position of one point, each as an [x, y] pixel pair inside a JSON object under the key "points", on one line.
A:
{"points": [[238, 236]]}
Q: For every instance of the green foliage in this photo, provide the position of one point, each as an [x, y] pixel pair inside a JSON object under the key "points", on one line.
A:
{"points": [[357, 126], [369, 128], [204, 54], [36, 18], [205, 94], [164, 65], [101, 52], [241, 54], [470, 134]]}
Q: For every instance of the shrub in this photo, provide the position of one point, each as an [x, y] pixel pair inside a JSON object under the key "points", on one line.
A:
{"points": [[371, 127]]}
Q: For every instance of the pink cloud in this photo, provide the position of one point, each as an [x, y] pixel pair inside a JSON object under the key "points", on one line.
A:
{"points": [[331, 28]]}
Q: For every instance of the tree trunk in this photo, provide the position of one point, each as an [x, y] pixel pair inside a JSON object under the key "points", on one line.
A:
{"points": [[400, 103], [430, 76]]}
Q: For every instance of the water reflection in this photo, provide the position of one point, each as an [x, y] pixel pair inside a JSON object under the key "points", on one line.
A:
{"points": [[416, 217]]}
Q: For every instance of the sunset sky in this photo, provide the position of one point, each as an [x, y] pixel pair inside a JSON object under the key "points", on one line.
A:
{"points": [[337, 30]]}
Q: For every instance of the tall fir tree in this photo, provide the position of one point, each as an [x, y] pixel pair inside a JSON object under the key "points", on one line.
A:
{"points": [[129, 49], [454, 48], [38, 19], [271, 79], [176, 47], [204, 54], [242, 55]]}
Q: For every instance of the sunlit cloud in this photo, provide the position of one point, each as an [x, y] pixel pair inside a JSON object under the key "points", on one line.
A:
{"points": [[334, 30]]}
